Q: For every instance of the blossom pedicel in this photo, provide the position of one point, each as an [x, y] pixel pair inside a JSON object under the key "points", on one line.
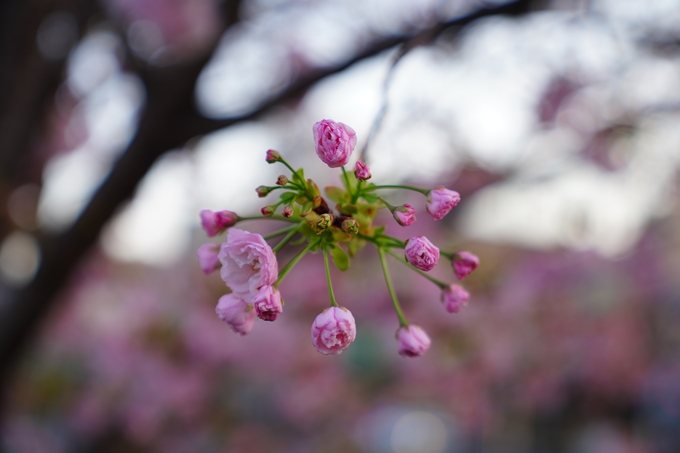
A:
{"points": [[248, 264]]}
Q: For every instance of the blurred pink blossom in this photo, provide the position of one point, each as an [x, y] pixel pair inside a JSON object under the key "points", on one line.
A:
{"points": [[455, 298], [248, 263], [207, 258], [413, 341], [333, 330], [267, 302], [334, 142], [404, 215], [236, 313], [421, 253], [464, 263], [440, 201], [215, 222]]}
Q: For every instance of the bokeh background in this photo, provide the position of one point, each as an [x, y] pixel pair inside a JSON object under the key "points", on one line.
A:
{"points": [[557, 121]]}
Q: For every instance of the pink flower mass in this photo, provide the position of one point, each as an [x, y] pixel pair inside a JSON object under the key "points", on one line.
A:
{"points": [[413, 341], [440, 201], [236, 313], [214, 223], [334, 142], [207, 257], [248, 263], [333, 330], [421, 253], [455, 298], [267, 302], [464, 263], [405, 215]]}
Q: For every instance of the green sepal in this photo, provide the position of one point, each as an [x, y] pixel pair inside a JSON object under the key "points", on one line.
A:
{"points": [[287, 197], [340, 258], [347, 208], [336, 194]]}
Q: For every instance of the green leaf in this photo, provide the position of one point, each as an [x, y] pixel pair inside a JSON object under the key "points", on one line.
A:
{"points": [[370, 198], [288, 197], [347, 209], [340, 258], [336, 194], [355, 245], [306, 208]]}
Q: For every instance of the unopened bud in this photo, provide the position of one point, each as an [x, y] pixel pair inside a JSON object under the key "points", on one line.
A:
{"points": [[362, 172], [268, 211], [288, 211], [350, 226], [282, 180], [263, 191], [323, 223], [273, 156], [404, 215]]}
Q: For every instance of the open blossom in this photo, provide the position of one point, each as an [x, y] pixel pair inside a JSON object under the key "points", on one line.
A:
{"points": [[455, 298], [464, 263], [413, 341], [440, 201], [333, 330], [362, 171], [421, 253], [267, 302], [207, 257], [215, 222], [247, 263], [334, 142], [236, 313], [404, 215]]}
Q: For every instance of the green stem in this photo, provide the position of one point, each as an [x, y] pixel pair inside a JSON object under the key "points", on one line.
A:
{"points": [[280, 232], [389, 206], [334, 303], [272, 217], [449, 255], [346, 178], [284, 241], [397, 186], [283, 272], [355, 197], [403, 322], [437, 282]]}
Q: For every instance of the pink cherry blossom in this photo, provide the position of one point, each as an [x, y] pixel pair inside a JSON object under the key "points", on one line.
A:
{"points": [[455, 298], [440, 201], [333, 330], [236, 313], [413, 341], [207, 257], [267, 302], [334, 142], [362, 171], [404, 215], [247, 263], [464, 263], [215, 222], [421, 253]]}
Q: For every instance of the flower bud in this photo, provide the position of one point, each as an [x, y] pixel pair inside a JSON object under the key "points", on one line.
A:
{"points": [[268, 211], [287, 211], [236, 313], [267, 302], [334, 142], [333, 330], [262, 191], [323, 223], [440, 201], [464, 263], [350, 225], [214, 223], [404, 215], [362, 171], [273, 156], [421, 253], [282, 180], [413, 341], [207, 258], [454, 298]]}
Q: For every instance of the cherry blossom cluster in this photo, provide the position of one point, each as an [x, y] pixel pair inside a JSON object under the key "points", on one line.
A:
{"points": [[249, 267]]}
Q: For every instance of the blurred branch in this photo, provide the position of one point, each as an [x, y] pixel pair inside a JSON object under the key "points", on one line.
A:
{"points": [[170, 119]]}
